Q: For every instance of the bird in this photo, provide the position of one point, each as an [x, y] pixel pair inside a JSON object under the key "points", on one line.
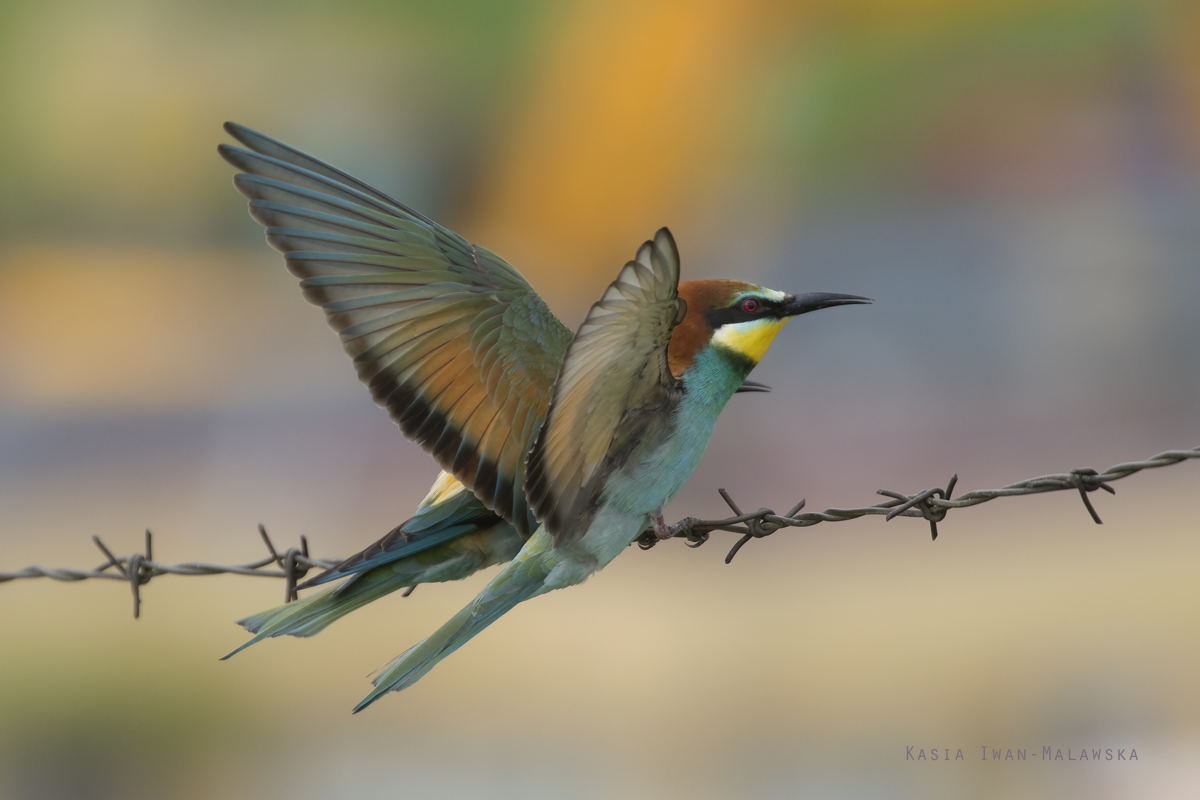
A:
{"points": [[452, 534], [558, 450]]}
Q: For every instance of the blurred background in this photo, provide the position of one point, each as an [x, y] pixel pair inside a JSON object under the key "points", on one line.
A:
{"points": [[1016, 182]]}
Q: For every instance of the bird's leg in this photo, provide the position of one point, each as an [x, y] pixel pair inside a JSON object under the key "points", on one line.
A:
{"points": [[661, 529]]}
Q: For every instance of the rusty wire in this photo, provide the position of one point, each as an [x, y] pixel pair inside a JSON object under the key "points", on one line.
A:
{"points": [[931, 504]]}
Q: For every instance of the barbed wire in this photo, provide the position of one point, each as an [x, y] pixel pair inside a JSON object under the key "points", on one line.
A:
{"points": [[139, 568], [931, 504]]}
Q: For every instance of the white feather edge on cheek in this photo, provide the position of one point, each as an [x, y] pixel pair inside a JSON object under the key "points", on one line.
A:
{"points": [[751, 338]]}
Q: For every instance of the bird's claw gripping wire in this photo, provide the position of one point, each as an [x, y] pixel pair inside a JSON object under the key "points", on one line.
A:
{"points": [[685, 528], [932, 504], [757, 525]]}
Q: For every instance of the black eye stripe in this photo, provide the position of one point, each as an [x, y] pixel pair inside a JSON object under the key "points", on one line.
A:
{"points": [[733, 314]]}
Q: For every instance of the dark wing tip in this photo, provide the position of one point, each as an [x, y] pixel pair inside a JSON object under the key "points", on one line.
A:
{"points": [[665, 241], [239, 132], [537, 487], [232, 154]]}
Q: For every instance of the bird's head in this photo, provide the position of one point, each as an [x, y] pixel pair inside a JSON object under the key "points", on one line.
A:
{"points": [[739, 318]]}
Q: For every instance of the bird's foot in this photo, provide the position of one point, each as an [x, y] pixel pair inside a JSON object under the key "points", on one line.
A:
{"points": [[661, 529]]}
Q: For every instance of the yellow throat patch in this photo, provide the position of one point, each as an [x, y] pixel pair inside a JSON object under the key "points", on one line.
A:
{"points": [[752, 338]]}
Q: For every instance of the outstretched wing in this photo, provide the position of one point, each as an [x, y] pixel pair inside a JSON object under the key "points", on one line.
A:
{"points": [[614, 373], [446, 335]]}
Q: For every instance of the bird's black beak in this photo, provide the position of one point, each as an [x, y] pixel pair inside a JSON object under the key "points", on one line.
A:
{"points": [[815, 301], [752, 386]]}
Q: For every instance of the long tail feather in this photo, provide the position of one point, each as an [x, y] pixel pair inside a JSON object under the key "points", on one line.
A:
{"points": [[520, 580], [311, 615]]}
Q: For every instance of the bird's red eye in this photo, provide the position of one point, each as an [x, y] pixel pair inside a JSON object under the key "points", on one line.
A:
{"points": [[750, 305]]}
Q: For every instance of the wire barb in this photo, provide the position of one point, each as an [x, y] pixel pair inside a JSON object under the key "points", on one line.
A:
{"points": [[289, 562], [930, 504], [138, 569], [921, 502], [1088, 480]]}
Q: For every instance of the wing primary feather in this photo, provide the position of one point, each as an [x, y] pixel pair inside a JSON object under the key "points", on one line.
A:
{"points": [[268, 167], [260, 143], [615, 363], [445, 377], [446, 335]]}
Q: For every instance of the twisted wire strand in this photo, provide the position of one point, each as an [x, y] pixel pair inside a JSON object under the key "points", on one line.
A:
{"points": [[931, 504], [138, 569], [154, 569]]}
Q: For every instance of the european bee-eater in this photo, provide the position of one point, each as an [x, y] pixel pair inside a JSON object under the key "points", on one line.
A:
{"points": [[589, 435]]}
